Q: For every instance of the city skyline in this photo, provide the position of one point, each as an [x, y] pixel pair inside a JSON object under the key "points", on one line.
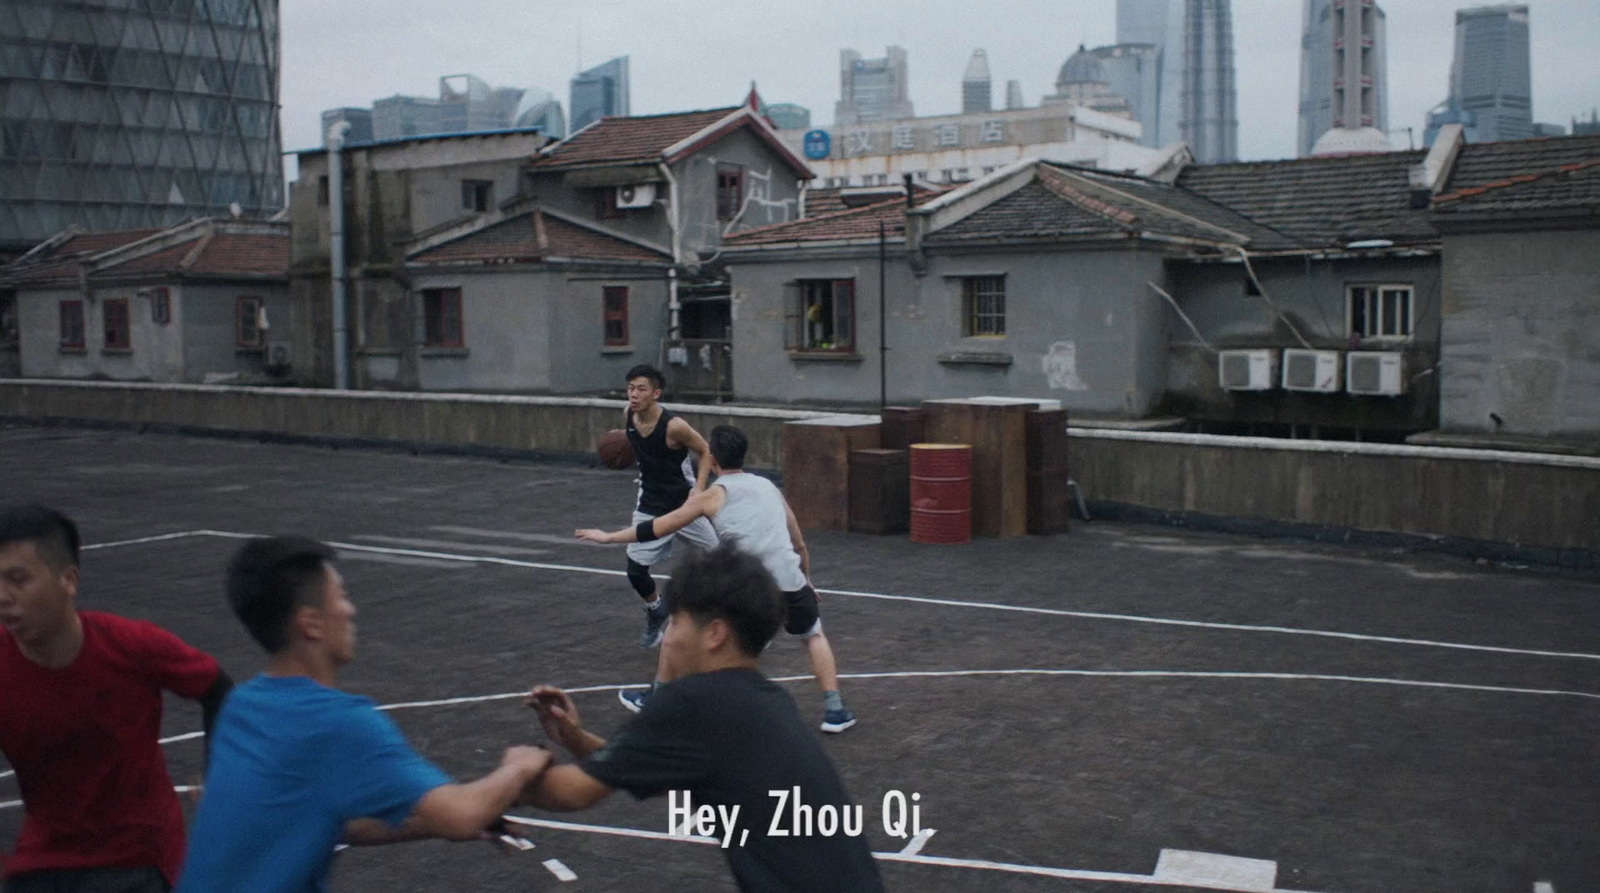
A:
{"points": [[680, 67]]}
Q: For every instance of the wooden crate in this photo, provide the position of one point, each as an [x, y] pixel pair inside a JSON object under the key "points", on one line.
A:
{"points": [[816, 467], [1049, 498], [880, 491], [998, 434]]}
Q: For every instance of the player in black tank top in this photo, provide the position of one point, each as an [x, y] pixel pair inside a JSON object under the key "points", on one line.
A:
{"points": [[663, 487]]}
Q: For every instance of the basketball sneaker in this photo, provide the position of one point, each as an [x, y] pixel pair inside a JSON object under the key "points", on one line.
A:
{"points": [[634, 698], [838, 720], [655, 625]]}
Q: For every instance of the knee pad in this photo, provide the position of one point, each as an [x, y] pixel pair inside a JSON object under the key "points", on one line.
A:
{"points": [[639, 578]]}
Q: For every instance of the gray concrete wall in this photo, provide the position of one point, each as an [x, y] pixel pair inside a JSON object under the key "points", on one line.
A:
{"points": [[1521, 336], [1536, 501], [1081, 327], [1312, 296], [156, 354], [771, 190], [582, 363], [505, 327], [1535, 505], [569, 426], [649, 224], [210, 341]]}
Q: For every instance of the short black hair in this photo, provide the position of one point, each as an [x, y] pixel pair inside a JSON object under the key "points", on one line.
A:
{"points": [[53, 534], [270, 578], [645, 370], [728, 584], [728, 446]]}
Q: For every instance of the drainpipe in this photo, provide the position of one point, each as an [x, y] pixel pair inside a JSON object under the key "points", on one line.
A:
{"points": [[341, 324], [677, 251]]}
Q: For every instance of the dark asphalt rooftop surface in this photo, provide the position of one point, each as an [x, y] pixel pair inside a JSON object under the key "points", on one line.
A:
{"points": [[1067, 707]]}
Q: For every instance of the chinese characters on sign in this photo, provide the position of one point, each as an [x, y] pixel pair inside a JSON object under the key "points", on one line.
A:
{"points": [[994, 131], [903, 137], [948, 134], [858, 142]]}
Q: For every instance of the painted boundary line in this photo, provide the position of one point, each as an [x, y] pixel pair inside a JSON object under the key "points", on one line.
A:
{"points": [[913, 857], [924, 600]]}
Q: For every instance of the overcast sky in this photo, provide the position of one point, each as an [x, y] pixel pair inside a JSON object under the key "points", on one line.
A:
{"points": [[705, 53]]}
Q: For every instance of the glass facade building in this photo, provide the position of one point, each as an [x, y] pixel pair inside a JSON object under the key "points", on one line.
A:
{"points": [[126, 114], [599, 92]]}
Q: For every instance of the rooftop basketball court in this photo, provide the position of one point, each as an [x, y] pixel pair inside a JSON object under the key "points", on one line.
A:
{"points": [[1116, 710]]}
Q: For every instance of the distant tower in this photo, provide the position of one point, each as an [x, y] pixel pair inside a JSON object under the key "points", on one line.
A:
{"points": [[1490, 82], [1014, 95], [1158, 23], [1133, 72], [976, 92], [1344, 79], [600, 92], [872, 89], [1209, 120]]}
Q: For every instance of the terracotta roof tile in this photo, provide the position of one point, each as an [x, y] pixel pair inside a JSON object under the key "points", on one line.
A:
{"points": [[621, 140], [518, 239], [225, 254], [851, 223]]}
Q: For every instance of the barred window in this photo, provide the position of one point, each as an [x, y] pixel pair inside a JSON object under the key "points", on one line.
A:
{"points": [[117, 321], [1381, 311], [983, 306], [441, 313], [823, 315], [615, 314]]}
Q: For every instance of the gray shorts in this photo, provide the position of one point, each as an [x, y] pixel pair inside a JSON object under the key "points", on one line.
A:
{"points": [[698, 532]]}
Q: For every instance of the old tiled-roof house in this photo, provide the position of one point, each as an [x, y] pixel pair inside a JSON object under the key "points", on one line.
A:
{"points": [[1520, 356], [203, 301], [592, 254]]}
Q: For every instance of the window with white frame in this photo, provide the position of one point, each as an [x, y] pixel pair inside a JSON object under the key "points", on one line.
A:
{"points": [[983, 306], [823, 316], [1381, 311]]}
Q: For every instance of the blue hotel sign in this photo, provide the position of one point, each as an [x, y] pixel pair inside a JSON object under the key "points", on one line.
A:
{"points": [[818, 145]]}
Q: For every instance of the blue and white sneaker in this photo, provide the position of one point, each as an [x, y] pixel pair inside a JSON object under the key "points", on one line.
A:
{"points": [[655, 626], [634, 698], [838, 720]]}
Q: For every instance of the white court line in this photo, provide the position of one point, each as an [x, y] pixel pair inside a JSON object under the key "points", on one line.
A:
{"points": [[560, 870], [1543, 887], [913, 858], [147, 539], [915, 844], [925, 600]]}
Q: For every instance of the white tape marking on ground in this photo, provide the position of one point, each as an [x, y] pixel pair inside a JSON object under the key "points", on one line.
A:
{"points": [[10, 804], [609, 830], [957, 603], [1543, 887], [915, 844], [420, 542], [517, 536], [561, 871], [1217, 871]]}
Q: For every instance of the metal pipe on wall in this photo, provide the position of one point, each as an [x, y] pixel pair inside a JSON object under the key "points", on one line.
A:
{"points": [[341, 322]]}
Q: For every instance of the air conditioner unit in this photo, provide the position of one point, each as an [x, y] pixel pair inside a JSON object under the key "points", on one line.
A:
{"points": [[636, 195], [279, 355], [1375, 372], [1247, 370], [1311, 370]]}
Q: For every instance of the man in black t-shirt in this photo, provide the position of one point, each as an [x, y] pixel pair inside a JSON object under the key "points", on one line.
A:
{"points": [[662, 443], [720, 734]]}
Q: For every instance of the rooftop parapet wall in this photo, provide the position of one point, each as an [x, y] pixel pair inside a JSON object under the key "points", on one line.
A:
{"points": [[1527, 506]]}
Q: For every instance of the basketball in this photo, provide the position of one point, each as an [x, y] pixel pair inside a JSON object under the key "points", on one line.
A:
{"points": [[615, 451]]}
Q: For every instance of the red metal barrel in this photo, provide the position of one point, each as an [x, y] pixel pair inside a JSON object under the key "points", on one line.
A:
{"points": [[941, 493]]}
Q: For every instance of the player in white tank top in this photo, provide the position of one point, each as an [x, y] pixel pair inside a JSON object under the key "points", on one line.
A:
{"points": [[752, 513]]}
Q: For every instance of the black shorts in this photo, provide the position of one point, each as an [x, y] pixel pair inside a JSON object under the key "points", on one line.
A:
{"points": [[805, 617], [88, 880]]}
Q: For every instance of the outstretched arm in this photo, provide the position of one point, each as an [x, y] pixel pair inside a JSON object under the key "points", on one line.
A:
{"points": [[697, 505], [564, 788], [458, 811]]}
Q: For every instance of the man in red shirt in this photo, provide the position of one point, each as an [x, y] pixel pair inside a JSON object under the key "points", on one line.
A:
{"points": [[80, 721]]}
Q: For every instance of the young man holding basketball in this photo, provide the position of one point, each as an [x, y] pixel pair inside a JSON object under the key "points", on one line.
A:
{"points": [[718, 734], [80, 719], [298, 765], [749, 511], [662, 443]]}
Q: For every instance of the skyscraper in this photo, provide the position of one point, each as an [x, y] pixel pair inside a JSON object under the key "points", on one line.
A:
{"points": [[1014, 95], [872, 89], [120, 116], [1133, 72], [1209, 120], [1344, 79], [600, 92], [1158, 23], [1490, 79], [977, 94]]}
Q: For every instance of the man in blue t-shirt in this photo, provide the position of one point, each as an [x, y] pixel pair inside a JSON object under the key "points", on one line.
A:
{"points": [[297, 766]]}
